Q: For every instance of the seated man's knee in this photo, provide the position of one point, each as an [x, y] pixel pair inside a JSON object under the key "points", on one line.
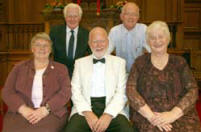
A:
{"points": [[77, 123], [122, 124]]}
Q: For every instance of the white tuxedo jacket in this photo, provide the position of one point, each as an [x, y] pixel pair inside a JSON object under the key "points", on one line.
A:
{"points": [[115, 85]]}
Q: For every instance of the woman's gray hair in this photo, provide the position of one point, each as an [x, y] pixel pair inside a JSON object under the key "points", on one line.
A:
{"points": [[159, 25], [43, 36], [72, 5]]}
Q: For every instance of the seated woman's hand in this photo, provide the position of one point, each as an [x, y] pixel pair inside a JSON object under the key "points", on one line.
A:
{"points": [[167, 117], [153, 117], [166, 127], [25, 111], [163, 118], [37, 115]]}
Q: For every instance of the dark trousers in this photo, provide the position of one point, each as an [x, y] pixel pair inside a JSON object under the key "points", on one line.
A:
{"points": [[78, 123]]}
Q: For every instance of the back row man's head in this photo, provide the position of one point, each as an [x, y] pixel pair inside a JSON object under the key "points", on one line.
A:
{"points": [[130, 15], [72, 14]]}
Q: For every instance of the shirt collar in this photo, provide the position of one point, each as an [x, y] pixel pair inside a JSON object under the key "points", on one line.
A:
{"points": [[99, 58], [125, 30], [75, 30]]}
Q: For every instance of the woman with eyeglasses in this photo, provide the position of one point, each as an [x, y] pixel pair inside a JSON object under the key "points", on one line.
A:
{"points": [[36, 92]]}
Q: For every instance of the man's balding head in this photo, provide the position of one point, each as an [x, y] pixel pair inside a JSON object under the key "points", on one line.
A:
{"points": [[98, 41]]}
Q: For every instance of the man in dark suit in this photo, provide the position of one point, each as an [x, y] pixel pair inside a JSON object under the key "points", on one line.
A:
{"points": [[70, 41]]}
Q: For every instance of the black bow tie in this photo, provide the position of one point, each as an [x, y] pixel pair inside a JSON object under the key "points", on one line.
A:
{"points": [[100, 60]]}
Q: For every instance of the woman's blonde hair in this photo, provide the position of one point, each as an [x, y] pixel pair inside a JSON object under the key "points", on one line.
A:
{"points": [[159, 25]]}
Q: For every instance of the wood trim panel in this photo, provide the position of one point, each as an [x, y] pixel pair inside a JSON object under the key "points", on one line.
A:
{"points": [[192, 20], [3, 11], [192, 1], [192, 24], [3, 67], [160, 10], [19, 35], [3, 37], [196, 60], [192, 40]]}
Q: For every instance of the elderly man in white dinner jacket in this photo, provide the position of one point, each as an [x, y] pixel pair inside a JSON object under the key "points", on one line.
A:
{"points": [[98, 90]]}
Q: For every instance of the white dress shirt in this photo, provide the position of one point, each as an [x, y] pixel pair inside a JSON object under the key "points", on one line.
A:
{"points": [[37, 88], [68, 35], [98, 80], [128, 44]]}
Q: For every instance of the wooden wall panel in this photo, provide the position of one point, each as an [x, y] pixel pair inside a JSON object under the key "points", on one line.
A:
{"points": [[19, 35], [154, 12], [192, 41], [3, 11], [192, 24], [3, 37], [192, 19], [196, 59], [25, 11], [167, 10], [3, 67]]}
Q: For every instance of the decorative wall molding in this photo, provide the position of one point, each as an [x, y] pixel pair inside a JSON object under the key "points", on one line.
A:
{"points": [[18, 36], [192, 25], [192, 20]]}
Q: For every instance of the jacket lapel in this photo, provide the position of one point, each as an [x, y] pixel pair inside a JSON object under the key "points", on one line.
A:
{"points": [[108, 75], [88, 76], [79, 42], [29, 81], [63, 39]]}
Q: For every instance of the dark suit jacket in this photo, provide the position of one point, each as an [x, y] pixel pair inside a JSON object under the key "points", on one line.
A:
{"points": [[56, 87], [58, 36]]}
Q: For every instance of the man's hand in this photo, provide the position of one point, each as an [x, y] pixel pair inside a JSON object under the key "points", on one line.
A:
{"points": [[37, 115], [103, 123], [91, 119]]}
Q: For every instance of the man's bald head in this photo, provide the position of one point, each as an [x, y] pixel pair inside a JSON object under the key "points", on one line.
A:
{"points": [[98, 41]]}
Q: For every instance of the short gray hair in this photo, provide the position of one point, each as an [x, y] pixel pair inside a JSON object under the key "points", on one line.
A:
{"points": [[160, 25], [72, 5], [43, 36]]}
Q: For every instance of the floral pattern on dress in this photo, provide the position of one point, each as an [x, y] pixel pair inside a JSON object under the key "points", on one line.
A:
{"points": [[162, 90]]}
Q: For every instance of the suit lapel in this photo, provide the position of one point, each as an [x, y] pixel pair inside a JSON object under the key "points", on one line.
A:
{"points": [[88, 75], [63, 39], [108, 72], [79, 42]]}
